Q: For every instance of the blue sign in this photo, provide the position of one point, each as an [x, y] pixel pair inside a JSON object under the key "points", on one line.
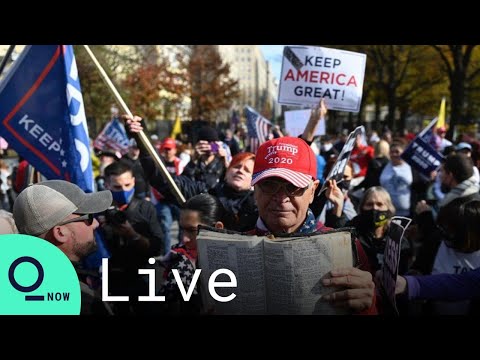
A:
{"points": [[422, 156]]}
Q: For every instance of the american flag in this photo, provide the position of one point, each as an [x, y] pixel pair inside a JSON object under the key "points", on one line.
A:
{"points": [[113, 137], [258, 128]]}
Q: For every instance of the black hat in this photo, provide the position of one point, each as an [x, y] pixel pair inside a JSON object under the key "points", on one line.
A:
{"points": [[108, 153], [207, 133]]}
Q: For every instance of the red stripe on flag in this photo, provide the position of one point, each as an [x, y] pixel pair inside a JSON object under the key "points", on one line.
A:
{"points": [[17, 107]]}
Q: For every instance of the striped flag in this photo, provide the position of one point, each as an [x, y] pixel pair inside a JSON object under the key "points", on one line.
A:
{"points": [[113, 138], [258, 128]]}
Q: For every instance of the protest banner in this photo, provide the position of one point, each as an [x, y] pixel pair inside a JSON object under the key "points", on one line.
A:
{"points": [[310, 73]]}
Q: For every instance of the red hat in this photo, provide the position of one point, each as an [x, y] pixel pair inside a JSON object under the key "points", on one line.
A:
{"points": [[289, 158], [168, 143]]}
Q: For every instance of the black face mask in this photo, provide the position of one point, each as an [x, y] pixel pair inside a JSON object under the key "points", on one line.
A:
{"points": [[372, 219], [344, 185]]}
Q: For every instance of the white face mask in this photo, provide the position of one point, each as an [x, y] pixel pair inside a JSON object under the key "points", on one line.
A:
{"points": [[327, 147], [114, 110]]}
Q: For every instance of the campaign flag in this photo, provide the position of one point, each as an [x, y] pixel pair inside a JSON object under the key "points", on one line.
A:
{"points": [[428, 134], [3, 144], [422, 156], [113, 138], [94, 260], [258, 128], [42, 115]]}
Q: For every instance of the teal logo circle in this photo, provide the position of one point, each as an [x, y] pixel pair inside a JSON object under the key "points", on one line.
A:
{"points": [[36, 278]]}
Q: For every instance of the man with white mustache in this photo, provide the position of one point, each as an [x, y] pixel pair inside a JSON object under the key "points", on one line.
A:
{"points": [[284, 178]]}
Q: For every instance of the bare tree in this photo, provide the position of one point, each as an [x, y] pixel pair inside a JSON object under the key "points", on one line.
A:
{"points": [[457, 61]]}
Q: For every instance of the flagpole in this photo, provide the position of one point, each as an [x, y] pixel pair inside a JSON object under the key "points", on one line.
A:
{"points": [[5, 59], [141, 135]]}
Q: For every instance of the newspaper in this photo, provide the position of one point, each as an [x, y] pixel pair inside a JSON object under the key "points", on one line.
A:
{"points": [[274, 276]]}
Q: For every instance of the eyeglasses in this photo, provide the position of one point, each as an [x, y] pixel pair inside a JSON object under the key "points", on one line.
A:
{"points": [[189, 231], [272, 187], [88, 218]]}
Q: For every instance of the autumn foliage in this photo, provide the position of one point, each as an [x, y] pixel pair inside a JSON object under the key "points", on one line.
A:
{"points": [[212, 89], [145, 85]]}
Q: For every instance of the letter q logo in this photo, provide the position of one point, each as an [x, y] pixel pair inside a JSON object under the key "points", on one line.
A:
{"points": [[36, 278]]}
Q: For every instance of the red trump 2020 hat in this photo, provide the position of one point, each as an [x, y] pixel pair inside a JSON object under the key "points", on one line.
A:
{"points": [[289, 158]]}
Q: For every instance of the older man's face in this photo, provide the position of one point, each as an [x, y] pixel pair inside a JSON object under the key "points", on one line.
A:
{"points": [[285, 210]]}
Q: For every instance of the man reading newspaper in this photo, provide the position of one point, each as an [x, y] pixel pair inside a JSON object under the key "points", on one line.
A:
{"points": [[285, 181], [284, 177]]}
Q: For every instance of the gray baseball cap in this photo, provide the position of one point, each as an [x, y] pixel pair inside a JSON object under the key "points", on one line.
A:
{"points": [[41, 206]]}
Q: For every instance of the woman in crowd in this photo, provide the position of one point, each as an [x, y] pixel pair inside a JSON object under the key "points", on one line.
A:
{"points": [[375, 211], [203, 209], [397, 178], [233, 190]]}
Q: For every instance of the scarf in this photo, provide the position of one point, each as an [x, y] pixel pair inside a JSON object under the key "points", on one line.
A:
{"points": [[309, 226], [181, 259], [465, 188]]}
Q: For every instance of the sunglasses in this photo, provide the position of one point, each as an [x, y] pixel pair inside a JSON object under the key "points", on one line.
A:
{"points": [[272, 187], [87, 218]]}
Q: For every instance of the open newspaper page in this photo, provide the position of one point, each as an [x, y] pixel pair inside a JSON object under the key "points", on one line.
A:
{"points": [[294, 268], [280, 276], [241, 254]]}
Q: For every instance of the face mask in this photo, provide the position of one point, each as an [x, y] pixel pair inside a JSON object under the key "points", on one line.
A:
{"points": [[123, 197], [344, 185], [375, 218]]}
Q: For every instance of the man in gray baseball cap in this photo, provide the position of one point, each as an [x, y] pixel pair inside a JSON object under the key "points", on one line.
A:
{"points": [[61, 213]]}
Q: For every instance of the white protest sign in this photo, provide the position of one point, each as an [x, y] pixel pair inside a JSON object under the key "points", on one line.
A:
{"points": [[310, 73], [296, 121]]}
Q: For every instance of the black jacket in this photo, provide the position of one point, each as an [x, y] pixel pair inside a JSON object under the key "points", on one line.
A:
{"points": [[142, 215], [241, 212], [375, 248]]}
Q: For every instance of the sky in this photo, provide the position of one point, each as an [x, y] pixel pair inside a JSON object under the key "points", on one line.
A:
{"points": [[273, 54]]}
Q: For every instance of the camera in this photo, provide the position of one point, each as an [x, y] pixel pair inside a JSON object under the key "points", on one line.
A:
{"points": [[214, 147], [114, 216]]}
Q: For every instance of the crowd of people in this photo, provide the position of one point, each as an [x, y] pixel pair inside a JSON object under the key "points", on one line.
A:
{"points": [[225, 186]]}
